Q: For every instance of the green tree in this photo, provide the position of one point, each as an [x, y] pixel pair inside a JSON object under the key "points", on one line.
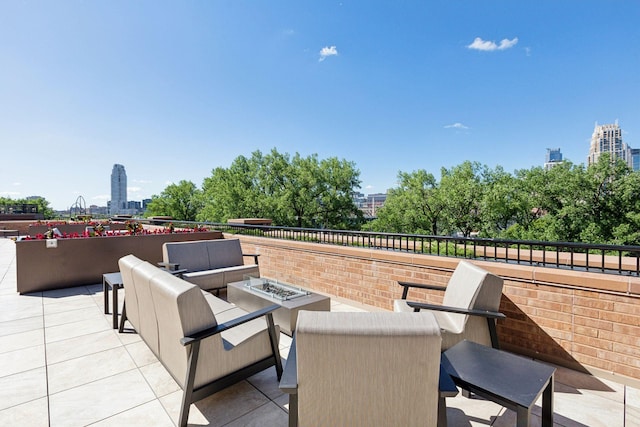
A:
{"points": [[415, 206], [181, 201], [502, 202], [298, 191], [41, 202], [462, 190]]}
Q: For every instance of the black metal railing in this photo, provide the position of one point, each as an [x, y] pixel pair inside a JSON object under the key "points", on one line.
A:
{"points": [[611, 259]]}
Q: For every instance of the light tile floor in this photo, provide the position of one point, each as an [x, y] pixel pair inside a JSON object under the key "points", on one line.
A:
{"points": [[61, 364]]}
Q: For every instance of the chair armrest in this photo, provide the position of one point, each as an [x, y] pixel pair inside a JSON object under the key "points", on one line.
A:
{"points": [[169, 265], [407, 285], [417, 306], [199, 336], [255, 257], [289, 380]]}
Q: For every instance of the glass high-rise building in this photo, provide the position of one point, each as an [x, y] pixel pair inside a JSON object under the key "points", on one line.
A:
{"points": [[554, 157], [608, 139], [118, 203]]}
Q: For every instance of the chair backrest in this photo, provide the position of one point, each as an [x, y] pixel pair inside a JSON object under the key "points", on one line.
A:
{"points": [[474, 288], [126, 265], [373, 369]]}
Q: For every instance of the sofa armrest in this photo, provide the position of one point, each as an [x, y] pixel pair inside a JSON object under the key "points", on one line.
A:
{"points": [[169, 265], [407, 285], [199, 336], [255, 257]]}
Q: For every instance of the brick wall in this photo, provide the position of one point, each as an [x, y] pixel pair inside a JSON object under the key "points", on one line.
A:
{"points": [[586, 321]]}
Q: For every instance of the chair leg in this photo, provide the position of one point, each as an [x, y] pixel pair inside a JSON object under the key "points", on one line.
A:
{"points": [[274, 344], [123, 318], [188, 383]]}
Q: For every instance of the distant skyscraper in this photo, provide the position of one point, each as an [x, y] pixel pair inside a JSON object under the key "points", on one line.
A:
{"points": [[635, 159], [608, 139], [554, 156], [118, 190]]}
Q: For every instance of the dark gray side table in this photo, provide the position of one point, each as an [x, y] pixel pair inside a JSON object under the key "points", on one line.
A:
{"points": [[111, 281], [507, 379]]}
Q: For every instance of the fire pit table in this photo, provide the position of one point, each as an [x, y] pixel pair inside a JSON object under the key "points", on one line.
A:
{"points": [[255, 293]]}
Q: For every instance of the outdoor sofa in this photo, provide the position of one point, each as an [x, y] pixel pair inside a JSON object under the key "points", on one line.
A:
{"points": [[205, 343], [210, 264]]}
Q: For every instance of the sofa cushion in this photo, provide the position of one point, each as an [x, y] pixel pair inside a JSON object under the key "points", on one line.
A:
{"points": [[224, 253], [192, 255]]}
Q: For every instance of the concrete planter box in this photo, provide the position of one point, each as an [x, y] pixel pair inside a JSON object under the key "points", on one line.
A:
{"points": [[83, 261]]}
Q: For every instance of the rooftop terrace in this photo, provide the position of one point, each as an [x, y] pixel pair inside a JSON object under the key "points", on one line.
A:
{"points": [[61, 364]]}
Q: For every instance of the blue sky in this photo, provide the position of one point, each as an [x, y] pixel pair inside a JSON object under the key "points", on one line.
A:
{"points": [[172, 90]]}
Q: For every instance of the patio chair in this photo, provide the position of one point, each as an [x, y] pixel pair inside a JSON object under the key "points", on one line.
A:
{"points": [[369, 369], [469, 309]]}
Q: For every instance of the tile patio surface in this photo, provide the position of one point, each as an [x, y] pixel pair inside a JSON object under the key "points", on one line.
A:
{"points": [[61, 364]]}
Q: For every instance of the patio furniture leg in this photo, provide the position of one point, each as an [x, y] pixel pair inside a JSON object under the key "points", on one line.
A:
{"points": [[123, 318], [115, 307], [442, 412], [523, 414], [105, 291], [274, 345], [293, 410], [547, 405], [188, 384]]}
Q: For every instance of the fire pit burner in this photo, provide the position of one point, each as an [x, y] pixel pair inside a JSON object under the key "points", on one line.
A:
{"points": [[274, 289]]}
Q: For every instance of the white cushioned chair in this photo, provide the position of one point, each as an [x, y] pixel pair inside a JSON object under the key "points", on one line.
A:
{"points": [[363, 369], [469, 308]]}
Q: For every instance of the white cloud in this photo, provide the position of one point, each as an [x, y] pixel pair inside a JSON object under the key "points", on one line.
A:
{"points": [[528, 51], [10, 194], [327, 51], [456, 126], [369, 187], [16, 184], [486, 45]]}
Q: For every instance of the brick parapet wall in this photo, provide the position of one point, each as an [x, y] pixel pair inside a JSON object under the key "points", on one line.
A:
{"points": [[587, 321]]}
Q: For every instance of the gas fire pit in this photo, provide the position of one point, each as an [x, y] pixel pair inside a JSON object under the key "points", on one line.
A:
{"points": [[255, 293]]}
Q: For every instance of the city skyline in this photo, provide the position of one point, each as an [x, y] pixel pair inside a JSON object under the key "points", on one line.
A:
{"points": [[173, 91]]}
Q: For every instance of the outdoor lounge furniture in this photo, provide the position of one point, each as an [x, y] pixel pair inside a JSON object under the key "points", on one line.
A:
{"points": [[368, 369], [210, 264], [469, 309], [179, 323]]}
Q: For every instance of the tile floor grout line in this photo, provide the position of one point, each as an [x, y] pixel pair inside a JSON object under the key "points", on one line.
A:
{"points": [[46, 365]]}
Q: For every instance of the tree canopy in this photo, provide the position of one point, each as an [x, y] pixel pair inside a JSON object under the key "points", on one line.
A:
{"points": [[181, 201], [292, 191], [41, 202], [595, 204]]}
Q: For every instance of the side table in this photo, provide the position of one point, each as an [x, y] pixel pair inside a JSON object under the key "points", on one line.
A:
{"points": [[113, 281], [507, 379]]}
